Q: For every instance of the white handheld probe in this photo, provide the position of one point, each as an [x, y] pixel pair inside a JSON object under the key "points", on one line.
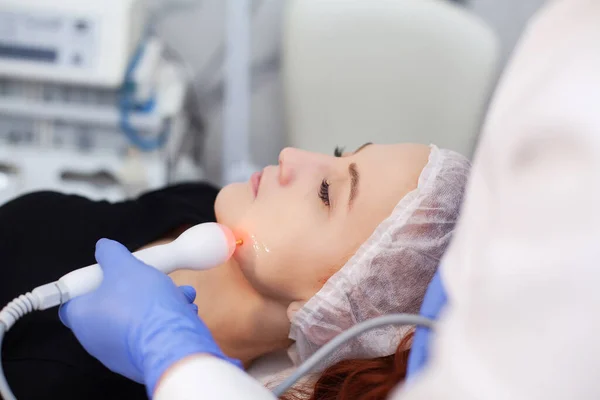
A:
{"points": [[201, 247]]}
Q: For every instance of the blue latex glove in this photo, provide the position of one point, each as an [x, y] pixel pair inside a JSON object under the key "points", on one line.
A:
{"points": [[190, 295], [137, 323], [434, 302]]}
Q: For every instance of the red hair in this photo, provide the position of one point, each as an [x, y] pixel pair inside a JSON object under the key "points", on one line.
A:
{"points": [[360, 379]]}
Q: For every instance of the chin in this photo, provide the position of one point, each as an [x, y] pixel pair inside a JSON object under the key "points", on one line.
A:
{"points": [[232, 203]]}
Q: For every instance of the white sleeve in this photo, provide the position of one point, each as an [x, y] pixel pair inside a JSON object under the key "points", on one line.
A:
{"points": [[208, 377], [523, 271]]}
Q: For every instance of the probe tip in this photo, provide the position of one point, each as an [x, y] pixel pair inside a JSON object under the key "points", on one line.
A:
{"points": [[239, 242]]}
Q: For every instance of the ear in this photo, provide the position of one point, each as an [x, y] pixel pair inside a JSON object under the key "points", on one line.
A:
{"points": [[293, 308]]}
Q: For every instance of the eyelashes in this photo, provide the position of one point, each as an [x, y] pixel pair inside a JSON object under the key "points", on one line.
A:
{"points": [[324, 192], [338, 152]]}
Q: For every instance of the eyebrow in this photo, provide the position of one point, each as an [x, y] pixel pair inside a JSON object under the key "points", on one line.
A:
{"points": [[362, 147], [354, 180], [355, 176]]}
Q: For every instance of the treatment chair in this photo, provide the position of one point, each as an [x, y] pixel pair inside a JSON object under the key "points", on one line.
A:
{"points": [[385, 71]]}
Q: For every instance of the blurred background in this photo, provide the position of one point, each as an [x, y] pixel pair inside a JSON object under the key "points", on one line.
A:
{"points": [[111, 98]]}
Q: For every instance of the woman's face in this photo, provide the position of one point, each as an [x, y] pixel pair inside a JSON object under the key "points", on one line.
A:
{"points": [[303, 219]]}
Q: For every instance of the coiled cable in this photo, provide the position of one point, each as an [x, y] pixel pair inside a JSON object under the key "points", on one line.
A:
{"points": [[5, 391], [15, 310], [40, 298]]}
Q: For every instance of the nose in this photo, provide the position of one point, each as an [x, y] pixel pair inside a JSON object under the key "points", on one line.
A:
{"points": [[292, 162], [287, 158]]}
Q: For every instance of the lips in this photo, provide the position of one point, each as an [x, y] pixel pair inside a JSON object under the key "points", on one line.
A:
{"points": [[255, 182]]}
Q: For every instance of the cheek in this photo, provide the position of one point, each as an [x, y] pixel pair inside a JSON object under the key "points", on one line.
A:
{"points": [[272, 231], [282, 254], [267, 267], [338, 255], [316, 259], [315, 268]]}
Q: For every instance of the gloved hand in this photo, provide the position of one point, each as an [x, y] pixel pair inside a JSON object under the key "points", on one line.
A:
{"points": [[434, 302], [137, 323]]}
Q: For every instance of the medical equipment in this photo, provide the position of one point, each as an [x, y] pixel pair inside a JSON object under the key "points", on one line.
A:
{"points": [[70, 41], [199, 248], [81, 85]]}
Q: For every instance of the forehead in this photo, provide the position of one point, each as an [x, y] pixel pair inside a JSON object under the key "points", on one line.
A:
{"points": [[387, 174]]}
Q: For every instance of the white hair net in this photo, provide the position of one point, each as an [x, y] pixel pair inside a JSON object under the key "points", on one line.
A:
{"points": [[390, 272]]}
